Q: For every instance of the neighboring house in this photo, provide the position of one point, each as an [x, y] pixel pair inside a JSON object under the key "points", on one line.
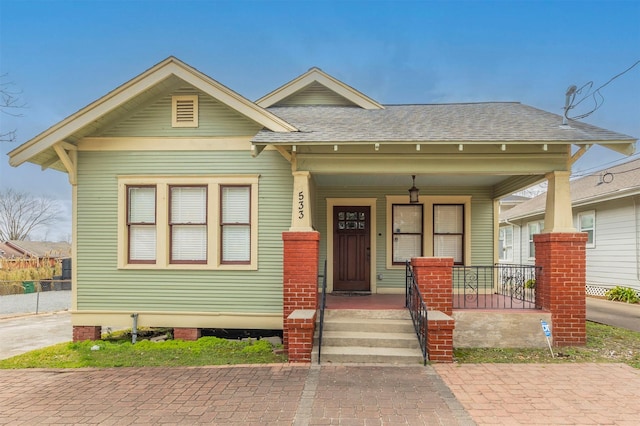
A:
{"points": [[32, 253], [186, 194], [606, 205], [509, 202]]}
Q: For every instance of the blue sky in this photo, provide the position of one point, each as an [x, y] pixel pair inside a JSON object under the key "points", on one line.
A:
{"points": [[63, 55]]}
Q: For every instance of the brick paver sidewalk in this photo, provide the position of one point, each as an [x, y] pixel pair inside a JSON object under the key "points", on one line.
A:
{"points": [[466, 394], [546, 394], [239, 395]]}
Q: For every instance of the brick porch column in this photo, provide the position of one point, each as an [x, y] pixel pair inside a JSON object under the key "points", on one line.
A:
{"points": [[300, 281], [434, 276], [560, 288]]}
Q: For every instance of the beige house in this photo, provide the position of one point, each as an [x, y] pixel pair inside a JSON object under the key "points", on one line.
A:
{"points": [[182, 190]]}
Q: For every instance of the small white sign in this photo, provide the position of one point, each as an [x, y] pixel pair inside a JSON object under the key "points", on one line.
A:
{"points": [[547, 333], [545, 328]]}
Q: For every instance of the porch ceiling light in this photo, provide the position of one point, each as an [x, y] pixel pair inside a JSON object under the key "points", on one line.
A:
{"points": [[413, 191]]}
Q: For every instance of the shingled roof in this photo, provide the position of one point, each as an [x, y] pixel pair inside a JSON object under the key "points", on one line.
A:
{"points": [[468, 122], [39, 249], [615, 182]]}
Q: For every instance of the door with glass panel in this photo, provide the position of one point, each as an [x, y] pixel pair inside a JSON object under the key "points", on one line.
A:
{"points": [[351, 248]]}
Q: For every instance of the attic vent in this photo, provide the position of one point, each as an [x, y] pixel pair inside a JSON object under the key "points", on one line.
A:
{"points": [[184, 111]]}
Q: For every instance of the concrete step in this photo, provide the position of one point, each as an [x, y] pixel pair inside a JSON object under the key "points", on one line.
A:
{"points": [[367, 339], [368, 325], [368, 336], [367, 314], [359, 355]]}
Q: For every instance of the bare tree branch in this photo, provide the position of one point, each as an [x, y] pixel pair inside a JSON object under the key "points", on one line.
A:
{"points": [[22, 213], [9, 103]]}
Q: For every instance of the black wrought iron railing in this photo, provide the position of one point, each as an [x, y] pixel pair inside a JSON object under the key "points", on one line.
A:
{"points": [[418, 310], [323, 302], [500, 286]]}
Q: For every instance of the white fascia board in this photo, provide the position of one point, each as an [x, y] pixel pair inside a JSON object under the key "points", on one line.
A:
{"points": [[620, 193], [622, 147], [85, 116], [129, 90], [233, 100], [317, 75]]}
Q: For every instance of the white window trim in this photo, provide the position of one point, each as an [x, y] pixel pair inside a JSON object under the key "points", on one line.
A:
{"points": [[174, 111], [540, 225], [427, 217], [579, 226], [510, 258], [162, 182]]}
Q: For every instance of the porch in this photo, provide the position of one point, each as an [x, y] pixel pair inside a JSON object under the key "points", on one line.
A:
{"points": [[559, 288]]}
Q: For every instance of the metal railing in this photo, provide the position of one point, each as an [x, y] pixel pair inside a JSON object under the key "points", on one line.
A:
{"points": [[500, 286], [323, 302], [418, 310]]}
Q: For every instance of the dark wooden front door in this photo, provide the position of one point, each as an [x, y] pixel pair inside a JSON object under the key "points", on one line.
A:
{"points": [[351, 248]]}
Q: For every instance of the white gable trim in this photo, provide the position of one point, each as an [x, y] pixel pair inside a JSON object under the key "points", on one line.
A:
{"points": [[146, 80], [317, 75]]}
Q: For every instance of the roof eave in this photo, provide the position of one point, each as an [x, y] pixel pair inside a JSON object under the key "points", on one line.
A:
{"points": [[317, 75], [115, 98]]}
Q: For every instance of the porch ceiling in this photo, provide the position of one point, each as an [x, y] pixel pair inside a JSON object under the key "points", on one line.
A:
{"points": [[380, 180]]}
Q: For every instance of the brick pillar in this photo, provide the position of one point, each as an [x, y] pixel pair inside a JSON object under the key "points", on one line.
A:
{"points": [[300, 326], [434, 276], [86, 332], [440, 337], [560, 288], [300, 276], [186, 333]]}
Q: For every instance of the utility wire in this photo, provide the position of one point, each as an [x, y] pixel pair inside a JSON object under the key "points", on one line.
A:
{"points": [[602, 167], [598, 98]]}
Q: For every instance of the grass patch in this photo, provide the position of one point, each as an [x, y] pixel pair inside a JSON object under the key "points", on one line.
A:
{"points": [[604, 344], [145, 353]]}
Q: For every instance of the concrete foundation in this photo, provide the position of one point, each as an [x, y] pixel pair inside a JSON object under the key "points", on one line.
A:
{"points": [[500, 329]]}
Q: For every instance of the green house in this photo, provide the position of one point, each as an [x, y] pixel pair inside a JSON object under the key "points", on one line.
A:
{"points": [[182, 190]]}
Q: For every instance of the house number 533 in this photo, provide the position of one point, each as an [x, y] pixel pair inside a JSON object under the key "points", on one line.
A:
{"points": [[300, 205]]}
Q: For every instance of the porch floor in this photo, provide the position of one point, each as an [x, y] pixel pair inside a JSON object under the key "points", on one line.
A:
{"points": [[366, 302]]}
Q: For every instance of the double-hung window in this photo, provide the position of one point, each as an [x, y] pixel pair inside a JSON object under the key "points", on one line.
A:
{"points": [[235, 224], [505, 243], [141, 224], [188, 224], [448, 231], [587, 223], [533, 229], [407, 232]]}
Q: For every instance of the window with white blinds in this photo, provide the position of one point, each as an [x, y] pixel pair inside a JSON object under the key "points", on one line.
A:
{"points": [[235, 224], [407, 232], [448, 231], [188, 223], [141, 223]]}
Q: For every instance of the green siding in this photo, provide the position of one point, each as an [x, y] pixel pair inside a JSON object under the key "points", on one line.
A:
{"points": [[215, 119], [103, 287], [315, 94], [481, 223]]}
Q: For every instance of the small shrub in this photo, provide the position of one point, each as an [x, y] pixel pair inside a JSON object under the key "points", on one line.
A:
{"points": [[261, 346], [623, 294], [531, 283]]}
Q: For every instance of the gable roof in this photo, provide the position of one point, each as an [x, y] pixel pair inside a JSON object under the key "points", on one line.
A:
{"points": [[487, 122], [316, 75], [608, 184], [138, 86]]}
